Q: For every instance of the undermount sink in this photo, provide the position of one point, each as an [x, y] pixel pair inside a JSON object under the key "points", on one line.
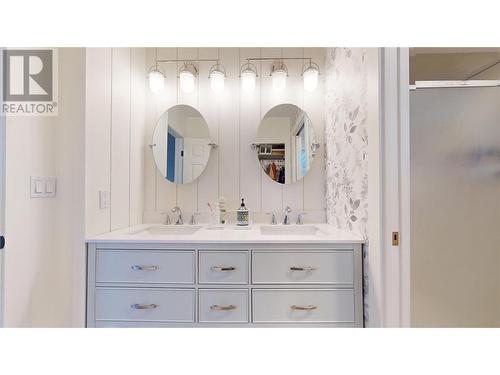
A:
{"points": [[289, 230], [170, 230]]}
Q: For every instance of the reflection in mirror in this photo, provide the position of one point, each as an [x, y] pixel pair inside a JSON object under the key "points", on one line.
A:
{"points": [[181, 144], [286, 143]]}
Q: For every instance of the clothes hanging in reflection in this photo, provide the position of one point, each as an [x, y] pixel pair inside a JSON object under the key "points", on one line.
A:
{"points": [[281, 175], [275, 170]]}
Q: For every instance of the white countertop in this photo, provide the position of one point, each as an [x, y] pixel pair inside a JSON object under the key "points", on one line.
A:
{"points": [[229, 233]]}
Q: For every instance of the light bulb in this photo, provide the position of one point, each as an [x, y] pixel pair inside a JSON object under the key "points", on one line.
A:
{"points": [[279, 79], [156, 81], [310, 78], [186, 79], [248, 77], [217, 81]]}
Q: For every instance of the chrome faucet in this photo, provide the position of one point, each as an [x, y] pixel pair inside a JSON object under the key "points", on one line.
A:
{"points": [[273, 218], [193, 218], [286, 219], [300, 218], [167, 217], [177, 210]]}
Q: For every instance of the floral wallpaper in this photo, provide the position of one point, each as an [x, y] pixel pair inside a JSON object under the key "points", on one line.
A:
{"points": [[346, 148]]}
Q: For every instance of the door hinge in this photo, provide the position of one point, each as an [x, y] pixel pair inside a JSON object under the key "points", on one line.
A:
{"points": [[395, 238]]}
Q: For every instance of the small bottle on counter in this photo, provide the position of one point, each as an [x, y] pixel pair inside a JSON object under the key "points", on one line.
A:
{"points": [[242, 214], [221, 205]]}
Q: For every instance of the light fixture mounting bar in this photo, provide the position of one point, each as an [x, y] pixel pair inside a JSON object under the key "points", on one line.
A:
{"points": [[185, 60], [277, 58]]}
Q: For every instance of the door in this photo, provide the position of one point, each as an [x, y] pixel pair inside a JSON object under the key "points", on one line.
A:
{"points": [[300, 154], [196, 153], [455, 206], [170, 157]]}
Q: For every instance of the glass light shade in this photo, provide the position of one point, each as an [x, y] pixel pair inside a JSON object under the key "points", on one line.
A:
{"points": [[217, 81], [156, 81], [248, 77], [186, 79], [279, 79], [310, 79]]}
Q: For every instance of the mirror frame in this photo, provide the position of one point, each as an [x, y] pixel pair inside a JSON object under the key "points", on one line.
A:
{"points": [[153, 145], [266, 148]]}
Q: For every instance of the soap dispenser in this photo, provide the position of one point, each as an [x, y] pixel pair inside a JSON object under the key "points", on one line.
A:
{"points": [[242, 214]]}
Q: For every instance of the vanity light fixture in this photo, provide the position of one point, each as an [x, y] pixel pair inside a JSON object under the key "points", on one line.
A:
{"points": [[310, 73], [217, 76], [156, 80], [279, 72], [248, 75], [156, 77], [187, 73]]}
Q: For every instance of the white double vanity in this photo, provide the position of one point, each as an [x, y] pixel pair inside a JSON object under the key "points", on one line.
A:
{"points": [[222, 274], [195, 275]]}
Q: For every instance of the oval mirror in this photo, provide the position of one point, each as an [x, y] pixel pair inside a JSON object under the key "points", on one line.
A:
{"points": [[181, 144], [286, 143]]}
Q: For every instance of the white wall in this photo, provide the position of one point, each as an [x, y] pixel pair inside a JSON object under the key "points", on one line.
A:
{"points": [[29, 228], [69, 226], [44, 264], [95, 143], [115, 103], [233, 117]]}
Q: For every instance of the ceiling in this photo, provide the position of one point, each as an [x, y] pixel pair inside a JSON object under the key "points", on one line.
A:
{"points": [[429, 64]]}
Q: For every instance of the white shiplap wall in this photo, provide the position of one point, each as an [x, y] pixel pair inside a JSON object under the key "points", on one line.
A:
{"points": [[233, 118], [114, 136]]}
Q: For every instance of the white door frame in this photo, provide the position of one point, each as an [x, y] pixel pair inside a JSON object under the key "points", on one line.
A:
{"points": [[395, 185]]}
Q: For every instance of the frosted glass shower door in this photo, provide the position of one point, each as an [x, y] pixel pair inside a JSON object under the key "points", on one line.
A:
{"points": [[455, 207]]}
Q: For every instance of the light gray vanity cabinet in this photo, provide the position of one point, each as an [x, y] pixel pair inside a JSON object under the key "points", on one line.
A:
{"points": [[156, 284]]}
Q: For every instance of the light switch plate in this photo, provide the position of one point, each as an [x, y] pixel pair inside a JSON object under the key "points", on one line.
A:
{"points": [[43, 186], [104, 199]]}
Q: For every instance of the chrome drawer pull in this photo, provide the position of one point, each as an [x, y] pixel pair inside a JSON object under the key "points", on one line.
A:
{"points": [[223, 268], [145, 268], [222, 308], [143, 306], [305, 268], [304, 308]]}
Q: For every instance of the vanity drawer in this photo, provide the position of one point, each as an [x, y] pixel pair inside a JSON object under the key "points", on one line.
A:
{"points": [[311, 267], [223, 267], [146, 305], [299, 305], [168, 267], [223, 305]]}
